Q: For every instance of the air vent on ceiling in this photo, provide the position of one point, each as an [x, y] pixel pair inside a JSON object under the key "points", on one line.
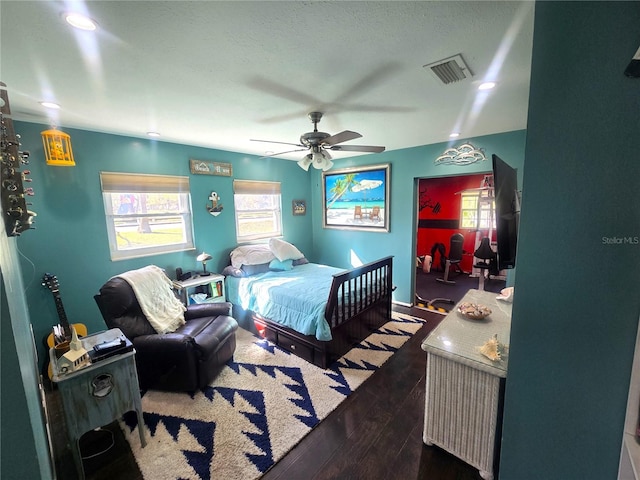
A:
{"points": [[450, 70]]}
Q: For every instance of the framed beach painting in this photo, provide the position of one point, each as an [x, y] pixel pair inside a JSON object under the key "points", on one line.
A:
{"points": [[356, 198]]}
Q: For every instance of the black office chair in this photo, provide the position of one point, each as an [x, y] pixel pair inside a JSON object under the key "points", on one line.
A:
{"points": [[452, 262]]}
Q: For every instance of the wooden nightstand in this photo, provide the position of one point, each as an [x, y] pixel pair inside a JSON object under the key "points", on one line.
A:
{"points": [[98, 394], [211, 285]]}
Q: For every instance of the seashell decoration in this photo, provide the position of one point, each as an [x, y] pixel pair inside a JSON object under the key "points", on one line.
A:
{"points": [[474, 311], [493, 349]]}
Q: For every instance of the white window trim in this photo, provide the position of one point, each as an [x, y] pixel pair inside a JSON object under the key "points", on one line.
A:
{"points": [[257, 187], [138, 183]]}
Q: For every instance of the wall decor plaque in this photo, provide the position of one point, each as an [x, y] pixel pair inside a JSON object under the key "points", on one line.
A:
{"points": [[202, 167], [465, 154], [299, 207]]}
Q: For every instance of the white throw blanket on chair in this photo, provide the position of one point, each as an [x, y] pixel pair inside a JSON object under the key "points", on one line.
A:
{"points": [[154, 292]]}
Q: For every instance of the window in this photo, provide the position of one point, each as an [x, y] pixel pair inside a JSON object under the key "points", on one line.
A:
{"points": [[258, 210], [477, 210], [146, 214]]}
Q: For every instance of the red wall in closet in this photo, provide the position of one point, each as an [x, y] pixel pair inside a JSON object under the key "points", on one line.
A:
{"points": [[439, 215]]}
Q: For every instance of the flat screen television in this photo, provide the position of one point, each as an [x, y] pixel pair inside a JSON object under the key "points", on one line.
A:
{"points": [[507, 198]]}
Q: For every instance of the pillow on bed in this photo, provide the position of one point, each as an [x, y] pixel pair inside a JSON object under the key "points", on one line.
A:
{"points": [[284, 250], [232, 271], [278, 266], [254, 269], [251, 255]]}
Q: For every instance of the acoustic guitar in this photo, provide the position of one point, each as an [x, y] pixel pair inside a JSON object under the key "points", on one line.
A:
{"points": [[62, 331]]}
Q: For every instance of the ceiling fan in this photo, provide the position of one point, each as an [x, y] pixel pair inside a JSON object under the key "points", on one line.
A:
{"points": [[320, 142]]}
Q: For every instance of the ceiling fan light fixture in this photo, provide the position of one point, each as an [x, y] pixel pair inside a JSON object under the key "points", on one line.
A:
{"points": [[318, 160], [305, 163], [319, 144]]}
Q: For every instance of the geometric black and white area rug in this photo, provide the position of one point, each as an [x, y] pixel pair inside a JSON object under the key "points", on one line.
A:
{"points": [[259, 407]]}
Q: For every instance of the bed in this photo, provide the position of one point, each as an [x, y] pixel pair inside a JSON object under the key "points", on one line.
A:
{"points": [[314, 311]]}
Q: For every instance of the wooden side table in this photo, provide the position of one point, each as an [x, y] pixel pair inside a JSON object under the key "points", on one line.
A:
{"points": [[98, 394], [213, 285]]}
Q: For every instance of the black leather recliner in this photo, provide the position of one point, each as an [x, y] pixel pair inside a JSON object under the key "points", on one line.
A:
{"points": [[184, 360]]}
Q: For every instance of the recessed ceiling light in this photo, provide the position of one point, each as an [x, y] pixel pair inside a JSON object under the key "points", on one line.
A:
{"points": [[487, 85], [51, 105], [454, 135], [80, 21], [153, 134]]}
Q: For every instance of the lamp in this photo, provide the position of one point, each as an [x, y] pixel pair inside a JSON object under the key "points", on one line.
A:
{"points": [[204, 258], [57, 148]]}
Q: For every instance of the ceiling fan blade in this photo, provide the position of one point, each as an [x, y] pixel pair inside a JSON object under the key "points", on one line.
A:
{"points": [[369, 81], [288, 151], [357, 148], [357, 107], [272, 141], [284, 117], [269, 86], [341, 137]]}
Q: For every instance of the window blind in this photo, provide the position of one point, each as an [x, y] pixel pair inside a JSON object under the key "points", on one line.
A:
{"points": [[114, 182], [254, 187]]}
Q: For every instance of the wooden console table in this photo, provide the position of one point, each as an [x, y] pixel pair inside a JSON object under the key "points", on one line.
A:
{"points": [[98, 394], [464, 389]]}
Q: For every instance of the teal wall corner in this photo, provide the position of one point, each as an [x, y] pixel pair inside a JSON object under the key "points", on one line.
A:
{"points": [[576, 304]]}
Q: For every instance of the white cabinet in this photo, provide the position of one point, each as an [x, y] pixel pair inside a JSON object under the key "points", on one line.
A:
{"points": [[201, 289], [464, 389]]}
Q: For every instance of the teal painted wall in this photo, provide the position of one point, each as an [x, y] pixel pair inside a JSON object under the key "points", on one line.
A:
{"points": [[334, 247], [577, 300], [23, 442], [70, 239], [19, 452]]}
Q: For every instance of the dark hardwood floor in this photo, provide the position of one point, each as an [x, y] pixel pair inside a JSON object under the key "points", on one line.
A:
{"points": [[376, 433], [428, 288]]}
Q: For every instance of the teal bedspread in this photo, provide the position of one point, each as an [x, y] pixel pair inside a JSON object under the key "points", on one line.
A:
{"points": [[296, 298]]}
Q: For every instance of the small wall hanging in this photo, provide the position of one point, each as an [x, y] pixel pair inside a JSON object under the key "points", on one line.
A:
{"points": [[200, 167], [465, 154], [216, 207], [57, 148], [299, 207]]}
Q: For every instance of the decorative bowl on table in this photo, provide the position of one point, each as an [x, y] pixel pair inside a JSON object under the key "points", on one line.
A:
{"points": [[474, 311]]}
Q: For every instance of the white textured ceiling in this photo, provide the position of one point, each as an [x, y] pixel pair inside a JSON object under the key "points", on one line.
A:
{"points": [[217, 74]]}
